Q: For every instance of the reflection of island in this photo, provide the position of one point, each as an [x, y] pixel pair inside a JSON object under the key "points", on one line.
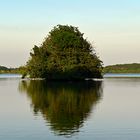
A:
{"points": [[65, 106]]}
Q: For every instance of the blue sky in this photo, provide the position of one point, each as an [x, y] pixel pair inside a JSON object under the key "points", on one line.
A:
{"points": [[113, 26]]}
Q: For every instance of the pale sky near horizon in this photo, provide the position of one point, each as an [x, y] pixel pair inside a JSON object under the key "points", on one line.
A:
{"points": [[113, 26]]}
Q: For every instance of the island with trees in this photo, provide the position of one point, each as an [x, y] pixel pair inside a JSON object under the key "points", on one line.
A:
{"points": [[64, 55]]}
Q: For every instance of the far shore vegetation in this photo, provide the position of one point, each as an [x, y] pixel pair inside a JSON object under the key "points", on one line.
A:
{"points": [[123, 68], [6, 70]]}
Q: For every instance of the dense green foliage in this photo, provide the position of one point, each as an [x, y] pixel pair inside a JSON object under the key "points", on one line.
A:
{"points": [[123, 68], [64, 55], [65, 106]]}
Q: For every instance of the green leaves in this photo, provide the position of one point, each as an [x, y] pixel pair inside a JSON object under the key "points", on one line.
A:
{"points": [[64, 55]]}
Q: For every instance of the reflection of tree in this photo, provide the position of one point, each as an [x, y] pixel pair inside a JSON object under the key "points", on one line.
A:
{"points": [[64, 105]]}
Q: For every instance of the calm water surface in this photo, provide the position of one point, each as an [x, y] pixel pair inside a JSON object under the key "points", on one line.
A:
{"points": [[127, 75], [32, 110]]}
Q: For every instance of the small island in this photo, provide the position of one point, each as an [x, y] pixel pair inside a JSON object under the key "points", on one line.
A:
{"points": [[64, 55]]}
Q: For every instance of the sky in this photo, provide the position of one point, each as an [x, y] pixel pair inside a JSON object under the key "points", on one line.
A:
{"points": [[112, 26]]}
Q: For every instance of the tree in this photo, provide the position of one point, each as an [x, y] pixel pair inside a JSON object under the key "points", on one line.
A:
{"points": [[64, 55]]}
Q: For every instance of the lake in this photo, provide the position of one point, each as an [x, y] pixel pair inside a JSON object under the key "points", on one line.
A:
{"points": [[121, 75], [98, 110]]}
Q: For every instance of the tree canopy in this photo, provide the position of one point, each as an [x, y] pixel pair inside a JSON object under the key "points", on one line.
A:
{"points": [[64, 55]]}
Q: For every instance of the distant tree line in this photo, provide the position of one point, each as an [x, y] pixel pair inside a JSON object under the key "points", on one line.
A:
{"points": [[3, 68], [19, 70], [123, 68]]}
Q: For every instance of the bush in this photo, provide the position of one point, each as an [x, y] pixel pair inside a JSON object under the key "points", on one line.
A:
{"points": [[64, 55]]}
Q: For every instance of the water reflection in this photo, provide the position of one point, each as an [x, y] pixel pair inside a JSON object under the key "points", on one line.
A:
{"points": [[65, 106]]}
